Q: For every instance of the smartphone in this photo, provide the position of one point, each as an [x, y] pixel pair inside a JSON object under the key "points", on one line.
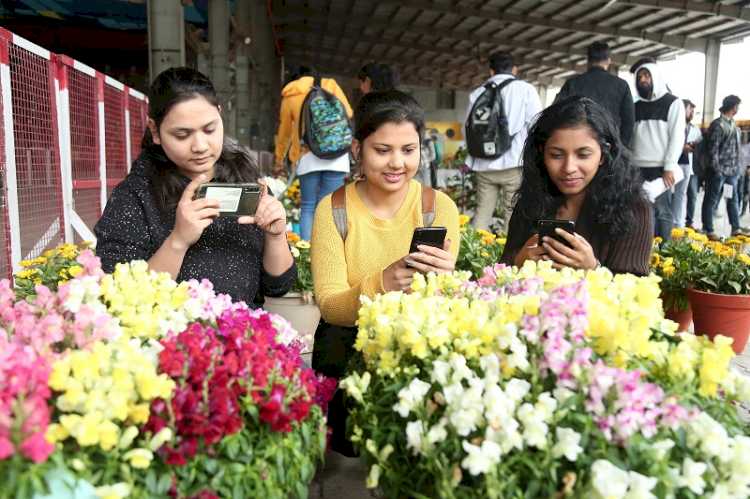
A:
{"points": [[235, 200], [546, 227], [429, 236]]}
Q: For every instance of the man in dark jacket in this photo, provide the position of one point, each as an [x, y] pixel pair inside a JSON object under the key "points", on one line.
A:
{"points": [[611, 92]]}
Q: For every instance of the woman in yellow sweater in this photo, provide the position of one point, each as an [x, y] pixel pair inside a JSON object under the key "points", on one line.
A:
{"points": [[382, 211]]}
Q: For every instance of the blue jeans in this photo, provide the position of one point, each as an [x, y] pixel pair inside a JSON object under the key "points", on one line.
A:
{"points": [[714, 190], [314, 186], [692, 195], [662, 206]]}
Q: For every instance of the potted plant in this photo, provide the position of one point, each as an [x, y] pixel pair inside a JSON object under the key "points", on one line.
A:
{"points": [[671, 260], [479, 248], [298, 306], [720, 291]]}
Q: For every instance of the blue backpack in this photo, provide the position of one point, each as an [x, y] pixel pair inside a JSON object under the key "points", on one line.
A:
{"points": [[324, 125]]}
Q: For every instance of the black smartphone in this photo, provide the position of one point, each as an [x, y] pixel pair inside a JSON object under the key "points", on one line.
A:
{"points": [[235, 200], [429, 236], [546, 227]]}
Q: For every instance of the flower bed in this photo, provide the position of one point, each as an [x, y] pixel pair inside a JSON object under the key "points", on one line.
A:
{"points": [[130, 384], [533, 382]]}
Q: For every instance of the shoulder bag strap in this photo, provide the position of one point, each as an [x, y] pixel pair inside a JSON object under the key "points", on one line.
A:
{"points": [[428, 206], [338, 208]]}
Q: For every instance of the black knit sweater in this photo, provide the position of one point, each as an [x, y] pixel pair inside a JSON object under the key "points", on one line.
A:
{"points": [[227, 254]]}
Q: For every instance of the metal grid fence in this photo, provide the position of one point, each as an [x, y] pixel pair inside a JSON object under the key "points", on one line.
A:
{"points": [[67, 136]]}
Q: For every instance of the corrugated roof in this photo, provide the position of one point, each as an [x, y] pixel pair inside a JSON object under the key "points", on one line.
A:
{"points": [[446, 43]]}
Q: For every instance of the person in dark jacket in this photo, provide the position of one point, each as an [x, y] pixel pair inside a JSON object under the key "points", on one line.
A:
{"points": [[152, 214], [604, 88]]}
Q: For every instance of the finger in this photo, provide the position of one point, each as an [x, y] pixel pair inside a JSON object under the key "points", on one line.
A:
{"points": [[207, 213], [432, 250], [447, 245], [425, 268], [561, 248], [557, 256], [245, 220], [189, 192], [199, 204]]}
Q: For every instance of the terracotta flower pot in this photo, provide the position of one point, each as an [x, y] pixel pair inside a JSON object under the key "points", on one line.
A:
{"points": [[728, 315], [683, 318]]}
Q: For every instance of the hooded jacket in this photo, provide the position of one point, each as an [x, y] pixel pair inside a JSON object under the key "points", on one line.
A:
{"points": [[659, 126], [292, 97]]}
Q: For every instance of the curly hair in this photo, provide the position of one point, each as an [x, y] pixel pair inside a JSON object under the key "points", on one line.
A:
{"points": [[611, 194]]}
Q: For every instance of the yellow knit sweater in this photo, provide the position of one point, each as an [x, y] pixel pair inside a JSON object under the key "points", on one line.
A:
{"points": [[343, 271]]}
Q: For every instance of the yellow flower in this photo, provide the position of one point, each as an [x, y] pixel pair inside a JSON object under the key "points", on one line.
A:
{"points": [[116, 491], [139, 458], [744, 258], [26, 263], [678, 233], [658, 240], [303, 245], [463, 220], [292, 237], [75, 270], [27, 273]]}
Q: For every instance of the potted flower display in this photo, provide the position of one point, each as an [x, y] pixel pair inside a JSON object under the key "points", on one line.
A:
{"points": [[720, 290], [534, 382], [132, 385], [298, 306], [479, 248]]}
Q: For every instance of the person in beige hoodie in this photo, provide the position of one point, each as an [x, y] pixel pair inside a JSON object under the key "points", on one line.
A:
{"points": [[318, 177]]}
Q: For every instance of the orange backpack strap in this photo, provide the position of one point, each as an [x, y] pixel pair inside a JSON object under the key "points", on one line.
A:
{"points": [[338, 208], [428, 205]]}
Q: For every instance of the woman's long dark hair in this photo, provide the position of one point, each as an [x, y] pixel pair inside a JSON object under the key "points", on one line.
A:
{"points": [[613, 191], [171, 87], [382, 76], [393, 106]]}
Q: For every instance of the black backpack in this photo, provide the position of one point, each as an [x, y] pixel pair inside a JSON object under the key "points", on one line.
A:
{"points": [[324, 126], [487, 134]]}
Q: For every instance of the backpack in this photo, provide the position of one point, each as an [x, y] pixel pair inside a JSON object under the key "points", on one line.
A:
{"points": [[338, 206], [487, 134], [324, 125]]}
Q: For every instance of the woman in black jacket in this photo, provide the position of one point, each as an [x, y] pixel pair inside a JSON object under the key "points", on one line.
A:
{"points": [[152, 214]]}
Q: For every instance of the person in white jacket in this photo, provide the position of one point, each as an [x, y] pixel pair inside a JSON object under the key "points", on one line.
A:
{"points": [[659, 138]]}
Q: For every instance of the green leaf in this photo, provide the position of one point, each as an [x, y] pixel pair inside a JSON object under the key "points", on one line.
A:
{"points": [[737, 287]]}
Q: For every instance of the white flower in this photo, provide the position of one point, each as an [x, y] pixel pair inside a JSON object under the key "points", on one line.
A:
{"points": [[562, 394], [517, 389], [608, 481], [295, 252], [440, 372], [567, 444], [414, 433], [546, 405], [710, 436], [507, 436], [692, 475], [480, 459], [453, 393], [437, 433], [534, 427], [460, 369], [740, 461], [490, 364], [411, 396], [373, 477], [661, 448], [519, 358], [356, 385], [721, 491], [640, 486]]}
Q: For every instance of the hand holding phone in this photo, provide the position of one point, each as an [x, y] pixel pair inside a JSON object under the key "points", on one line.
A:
{"points": [[546, 228], [429, 236], [235, 200]]}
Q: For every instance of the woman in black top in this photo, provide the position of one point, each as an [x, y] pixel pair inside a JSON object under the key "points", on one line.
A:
{"points": [[576, 168], [151, 215]]}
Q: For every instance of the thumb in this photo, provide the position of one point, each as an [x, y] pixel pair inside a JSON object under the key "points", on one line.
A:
{"points": [[447, 245]]}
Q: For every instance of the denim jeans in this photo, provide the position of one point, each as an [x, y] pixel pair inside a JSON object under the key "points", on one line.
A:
{"points": [[714, 191], [692, 195], [314, 186]]}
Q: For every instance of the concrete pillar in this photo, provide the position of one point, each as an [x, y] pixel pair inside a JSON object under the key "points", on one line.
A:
{"points": [[265, 85], [713, 49], [218, 39], [166, 36], [242, 68]]}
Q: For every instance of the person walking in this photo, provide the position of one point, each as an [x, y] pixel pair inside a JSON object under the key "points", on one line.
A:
{"points": [[686, 190], [723, 167], [498, 171], [604, 88]]}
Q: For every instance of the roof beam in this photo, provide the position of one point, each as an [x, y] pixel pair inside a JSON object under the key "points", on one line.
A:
{"points": [[498, 14], [735, 11], [468, 36]]}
